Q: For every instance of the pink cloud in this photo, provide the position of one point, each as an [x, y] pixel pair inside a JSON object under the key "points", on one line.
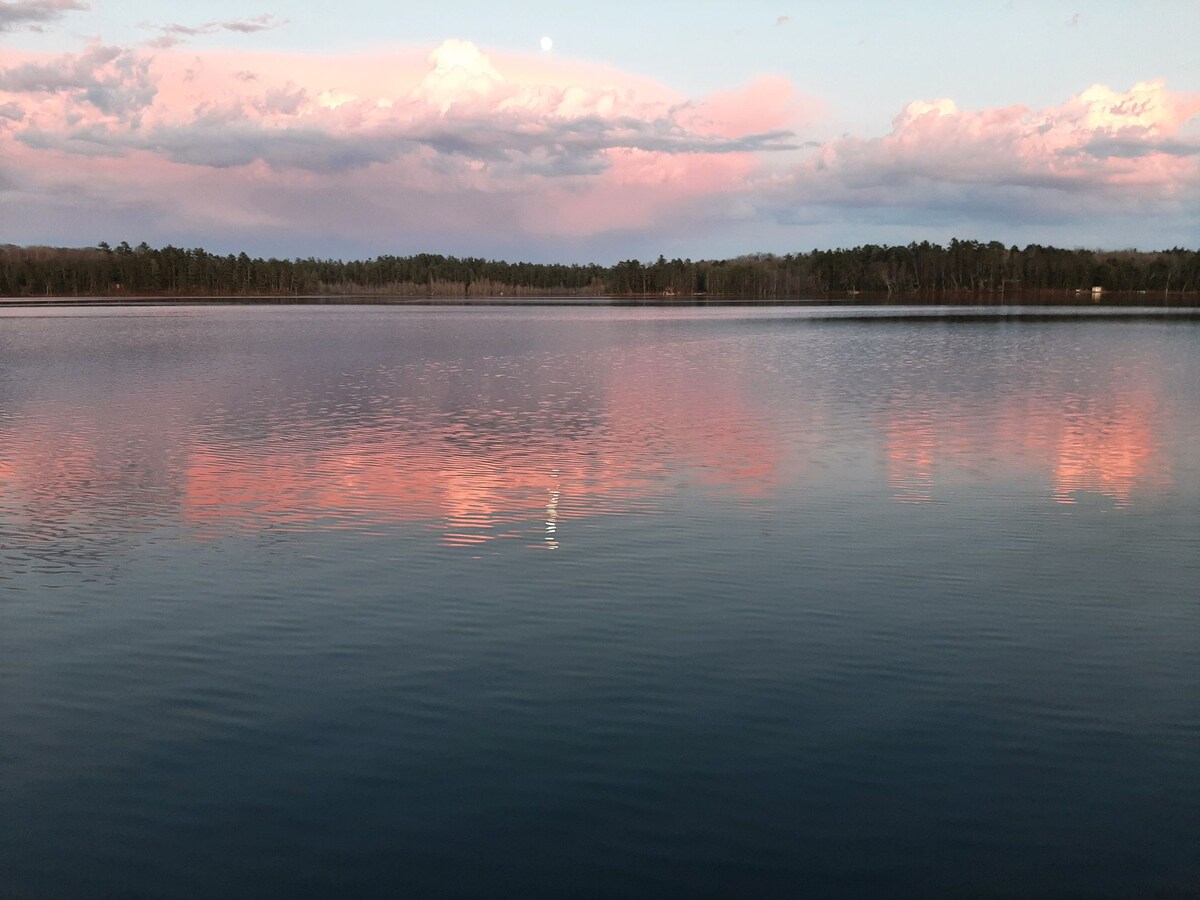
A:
{"points": [[202, 110], [611, 149], [454, 139], [769, 103], [1120, 144]]}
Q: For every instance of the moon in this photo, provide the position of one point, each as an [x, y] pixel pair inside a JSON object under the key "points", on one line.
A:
{"points": [[547, 44]]}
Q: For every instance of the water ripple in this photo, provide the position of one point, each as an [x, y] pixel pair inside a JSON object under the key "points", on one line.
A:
{"points": [[859, 608]]}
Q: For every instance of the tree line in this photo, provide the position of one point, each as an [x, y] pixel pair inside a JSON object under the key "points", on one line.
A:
{"points": [[964, 268]]}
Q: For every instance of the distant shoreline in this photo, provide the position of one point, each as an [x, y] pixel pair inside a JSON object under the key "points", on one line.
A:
{"points": [[962, 272], [1033, 305]]}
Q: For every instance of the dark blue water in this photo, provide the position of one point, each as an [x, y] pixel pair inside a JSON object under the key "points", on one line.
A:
{"points": [[312, 601]]}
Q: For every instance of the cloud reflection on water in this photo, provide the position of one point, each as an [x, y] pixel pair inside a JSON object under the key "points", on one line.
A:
{"points": [[651, 433], [526, 444], [1108, 446]]}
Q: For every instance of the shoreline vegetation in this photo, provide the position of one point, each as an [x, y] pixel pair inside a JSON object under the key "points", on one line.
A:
{"points": [[963, 272]]}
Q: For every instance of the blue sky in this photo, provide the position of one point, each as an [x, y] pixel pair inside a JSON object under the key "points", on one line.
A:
{"points": [[865, 147]]}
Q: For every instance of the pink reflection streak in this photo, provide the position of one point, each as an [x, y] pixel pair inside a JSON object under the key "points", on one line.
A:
{"points": [[911, 445], [1111, 460], [474, 495], [662, 425], [398, 479], [51, 469], [716, 434], [1106, 448]]}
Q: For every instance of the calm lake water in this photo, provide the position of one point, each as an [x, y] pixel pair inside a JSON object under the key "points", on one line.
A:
{"points": [[453, 601]]}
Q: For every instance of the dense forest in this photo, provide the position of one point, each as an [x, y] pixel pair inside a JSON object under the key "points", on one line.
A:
{"points": [[964, 268]]}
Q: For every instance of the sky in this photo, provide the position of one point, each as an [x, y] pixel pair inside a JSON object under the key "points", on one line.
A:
{"points": [[598, 132]]}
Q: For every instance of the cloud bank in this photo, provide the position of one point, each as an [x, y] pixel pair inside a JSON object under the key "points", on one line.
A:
{"points": [[1100, 151], [461, 150]]}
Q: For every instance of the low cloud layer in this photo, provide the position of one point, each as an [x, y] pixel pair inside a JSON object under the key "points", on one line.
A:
{"points": [[462, 110], [459, 142], [1101, 150]]}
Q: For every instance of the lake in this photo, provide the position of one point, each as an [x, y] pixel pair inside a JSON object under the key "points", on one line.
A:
{"points": [[446, 601]]}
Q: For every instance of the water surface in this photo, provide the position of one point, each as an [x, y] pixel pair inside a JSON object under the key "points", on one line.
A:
{"points": [[543, 600]]}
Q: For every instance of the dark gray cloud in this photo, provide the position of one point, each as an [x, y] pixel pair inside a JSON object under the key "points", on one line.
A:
{"points": [[225, 136], [1137, 148], [264, 22], [175, 33], [310, 149], [34, 14], [220, 143], [115, 81], [575, 146], [12, 112], [885, 193], [87, 140]]}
